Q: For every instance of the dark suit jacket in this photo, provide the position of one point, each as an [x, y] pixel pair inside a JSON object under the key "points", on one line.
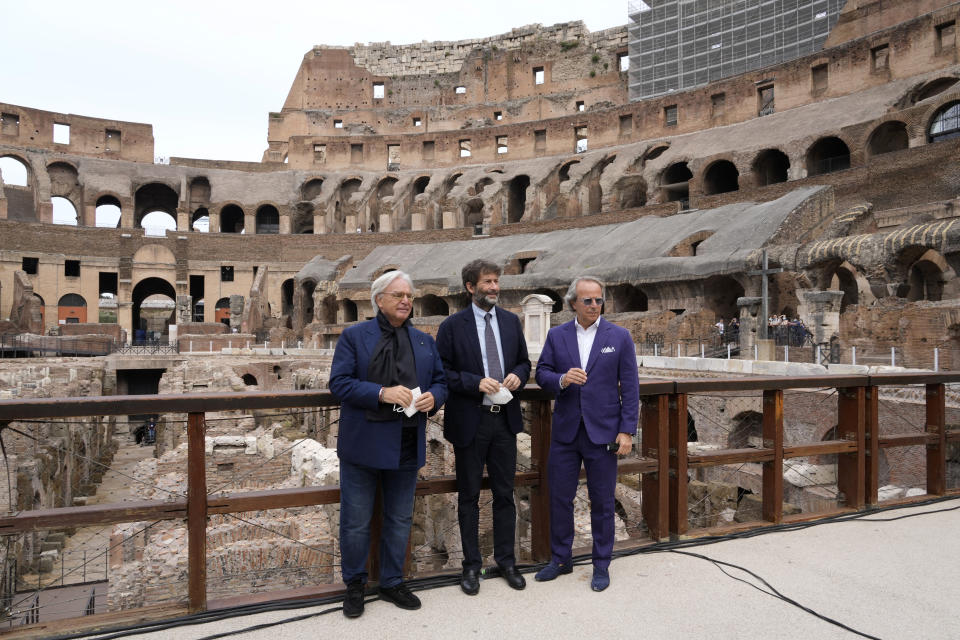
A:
{"points": [[609, 402], [377, 444], [459, 347]]}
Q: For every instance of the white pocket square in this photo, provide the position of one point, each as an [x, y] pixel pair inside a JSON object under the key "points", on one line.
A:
{"points": [[608, 350]]}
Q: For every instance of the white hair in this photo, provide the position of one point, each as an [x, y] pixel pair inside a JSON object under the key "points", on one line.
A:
{"points": [[384, 281], [572, 290]]}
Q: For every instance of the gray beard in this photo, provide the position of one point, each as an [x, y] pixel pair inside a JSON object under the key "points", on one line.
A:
{"points": [[481, 301]]}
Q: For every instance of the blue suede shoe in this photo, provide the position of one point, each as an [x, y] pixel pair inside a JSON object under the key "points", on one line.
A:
{"points": [[552, 570], [601, 579]]}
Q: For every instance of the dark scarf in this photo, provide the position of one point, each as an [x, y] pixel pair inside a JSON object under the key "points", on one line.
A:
{"points": [[392, 363]]}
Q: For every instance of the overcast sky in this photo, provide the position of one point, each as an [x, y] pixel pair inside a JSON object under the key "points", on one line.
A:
{"points": [[206, 73]]}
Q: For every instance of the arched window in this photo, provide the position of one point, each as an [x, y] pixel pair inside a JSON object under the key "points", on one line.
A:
{"points": [[268, 220], [64, 212], [231, 219], [889, 136], [828, 155], [674, 183], [721, 177], [945, 124], [108, 212], [771, 167]]}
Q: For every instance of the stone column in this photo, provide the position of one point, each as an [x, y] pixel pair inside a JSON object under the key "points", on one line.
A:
{"points": [[236, 311], [750, 327], [536, 321], [386, 223], [250, 223], [214, 222], [319, 222], [820, 311], [418, 221], [449, 219]]}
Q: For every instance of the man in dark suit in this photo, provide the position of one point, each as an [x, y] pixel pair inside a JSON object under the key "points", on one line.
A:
{"points": [[482, 349], [591, 365]]}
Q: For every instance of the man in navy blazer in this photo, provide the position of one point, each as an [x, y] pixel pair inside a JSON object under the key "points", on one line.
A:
{"points": [[377, 366], [482, 348], [591, 365]]}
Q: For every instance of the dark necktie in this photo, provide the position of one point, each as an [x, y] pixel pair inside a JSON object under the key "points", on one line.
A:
{"points": [[493, 357]]}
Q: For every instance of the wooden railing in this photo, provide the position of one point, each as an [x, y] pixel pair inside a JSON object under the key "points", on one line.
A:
{"points": [[663, 462]]}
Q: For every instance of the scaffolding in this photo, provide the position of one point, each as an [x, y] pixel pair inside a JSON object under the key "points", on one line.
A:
{"points": [[676, 45]]}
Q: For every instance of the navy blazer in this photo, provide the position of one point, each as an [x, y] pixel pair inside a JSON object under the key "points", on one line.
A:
{"points": [[459, 346], [609, 402], [377, 444]]}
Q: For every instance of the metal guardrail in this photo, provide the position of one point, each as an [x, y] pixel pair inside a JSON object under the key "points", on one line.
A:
{"points": [[663, 463]]}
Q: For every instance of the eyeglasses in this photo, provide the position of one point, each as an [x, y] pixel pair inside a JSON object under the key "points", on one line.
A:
{"points": [[589, 301], [399, 295]]}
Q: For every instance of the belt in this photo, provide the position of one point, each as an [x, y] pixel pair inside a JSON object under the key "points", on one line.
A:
{"points": [[491, 408]]}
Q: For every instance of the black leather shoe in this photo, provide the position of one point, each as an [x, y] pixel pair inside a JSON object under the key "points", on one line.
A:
{"points": [[513, 577], [353, 601], [470, 582], [400, 596]]}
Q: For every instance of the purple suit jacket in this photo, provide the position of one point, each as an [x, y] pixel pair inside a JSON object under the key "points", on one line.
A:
{"points": [[609, 402]]}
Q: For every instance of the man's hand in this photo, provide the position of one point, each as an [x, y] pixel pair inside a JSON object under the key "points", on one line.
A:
{"points": [[576, 375], [625, 440], [398, 395], [512, 382], [489, 385], [424, 402]]}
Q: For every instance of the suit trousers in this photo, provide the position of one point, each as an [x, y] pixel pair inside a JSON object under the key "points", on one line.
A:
{"points": [[496, 447], [563, 469]]}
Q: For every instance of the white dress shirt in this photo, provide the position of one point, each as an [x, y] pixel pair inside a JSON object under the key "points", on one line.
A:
{"points": [[585, 338]]}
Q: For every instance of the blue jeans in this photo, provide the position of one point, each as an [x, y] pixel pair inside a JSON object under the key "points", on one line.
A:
{"points": [[358, 489]]}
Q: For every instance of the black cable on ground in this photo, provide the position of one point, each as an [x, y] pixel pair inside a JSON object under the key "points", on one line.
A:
{"points": [[420, 584]]}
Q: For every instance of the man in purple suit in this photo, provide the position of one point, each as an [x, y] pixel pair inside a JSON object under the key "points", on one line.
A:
{"points": [[591, 365]]}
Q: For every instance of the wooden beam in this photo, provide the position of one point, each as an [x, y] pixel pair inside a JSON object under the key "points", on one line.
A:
{"points": [[772, 495], [540, 492], [98, 514], [679, 521], [871, 419], [820, 448], [908, 440], [851, 467], [728, 456], [936, 451], [654, 488], [196, 514]]}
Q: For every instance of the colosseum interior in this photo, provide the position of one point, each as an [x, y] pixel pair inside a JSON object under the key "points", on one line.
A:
{"points": [[836, 172]]}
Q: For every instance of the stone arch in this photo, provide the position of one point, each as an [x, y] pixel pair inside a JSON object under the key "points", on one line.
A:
{"points": [[675, 183], [307, 311], [385, 187], [517, 198], [18, 187], [231, 219], [108, 211], [222, 311], [249, 379], [267, 220], [200, 220], [328, 310], [348, 310], [148, 287], [199, 192], [152, 197], [827, 155], [747, 427], [844, 278], [721, 177], [473, 214], [771, 166], [626, 298], [432, 305], [945, 123], [933, 88], [564, 173], [303, 218], [553, 295], [720, 295], [630, 191], [64, 179], [889, 136], [311, 189], [286, 301], [482, 184], [687, 247], [420, 185], [71, 308], [64, 211], [926, 277]]}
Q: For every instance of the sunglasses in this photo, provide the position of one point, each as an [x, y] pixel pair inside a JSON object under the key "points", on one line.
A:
{"points": [[399, 295], [589, 301]]}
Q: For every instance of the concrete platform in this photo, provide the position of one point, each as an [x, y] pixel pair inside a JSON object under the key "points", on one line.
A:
{"points": [[893, 579]]}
